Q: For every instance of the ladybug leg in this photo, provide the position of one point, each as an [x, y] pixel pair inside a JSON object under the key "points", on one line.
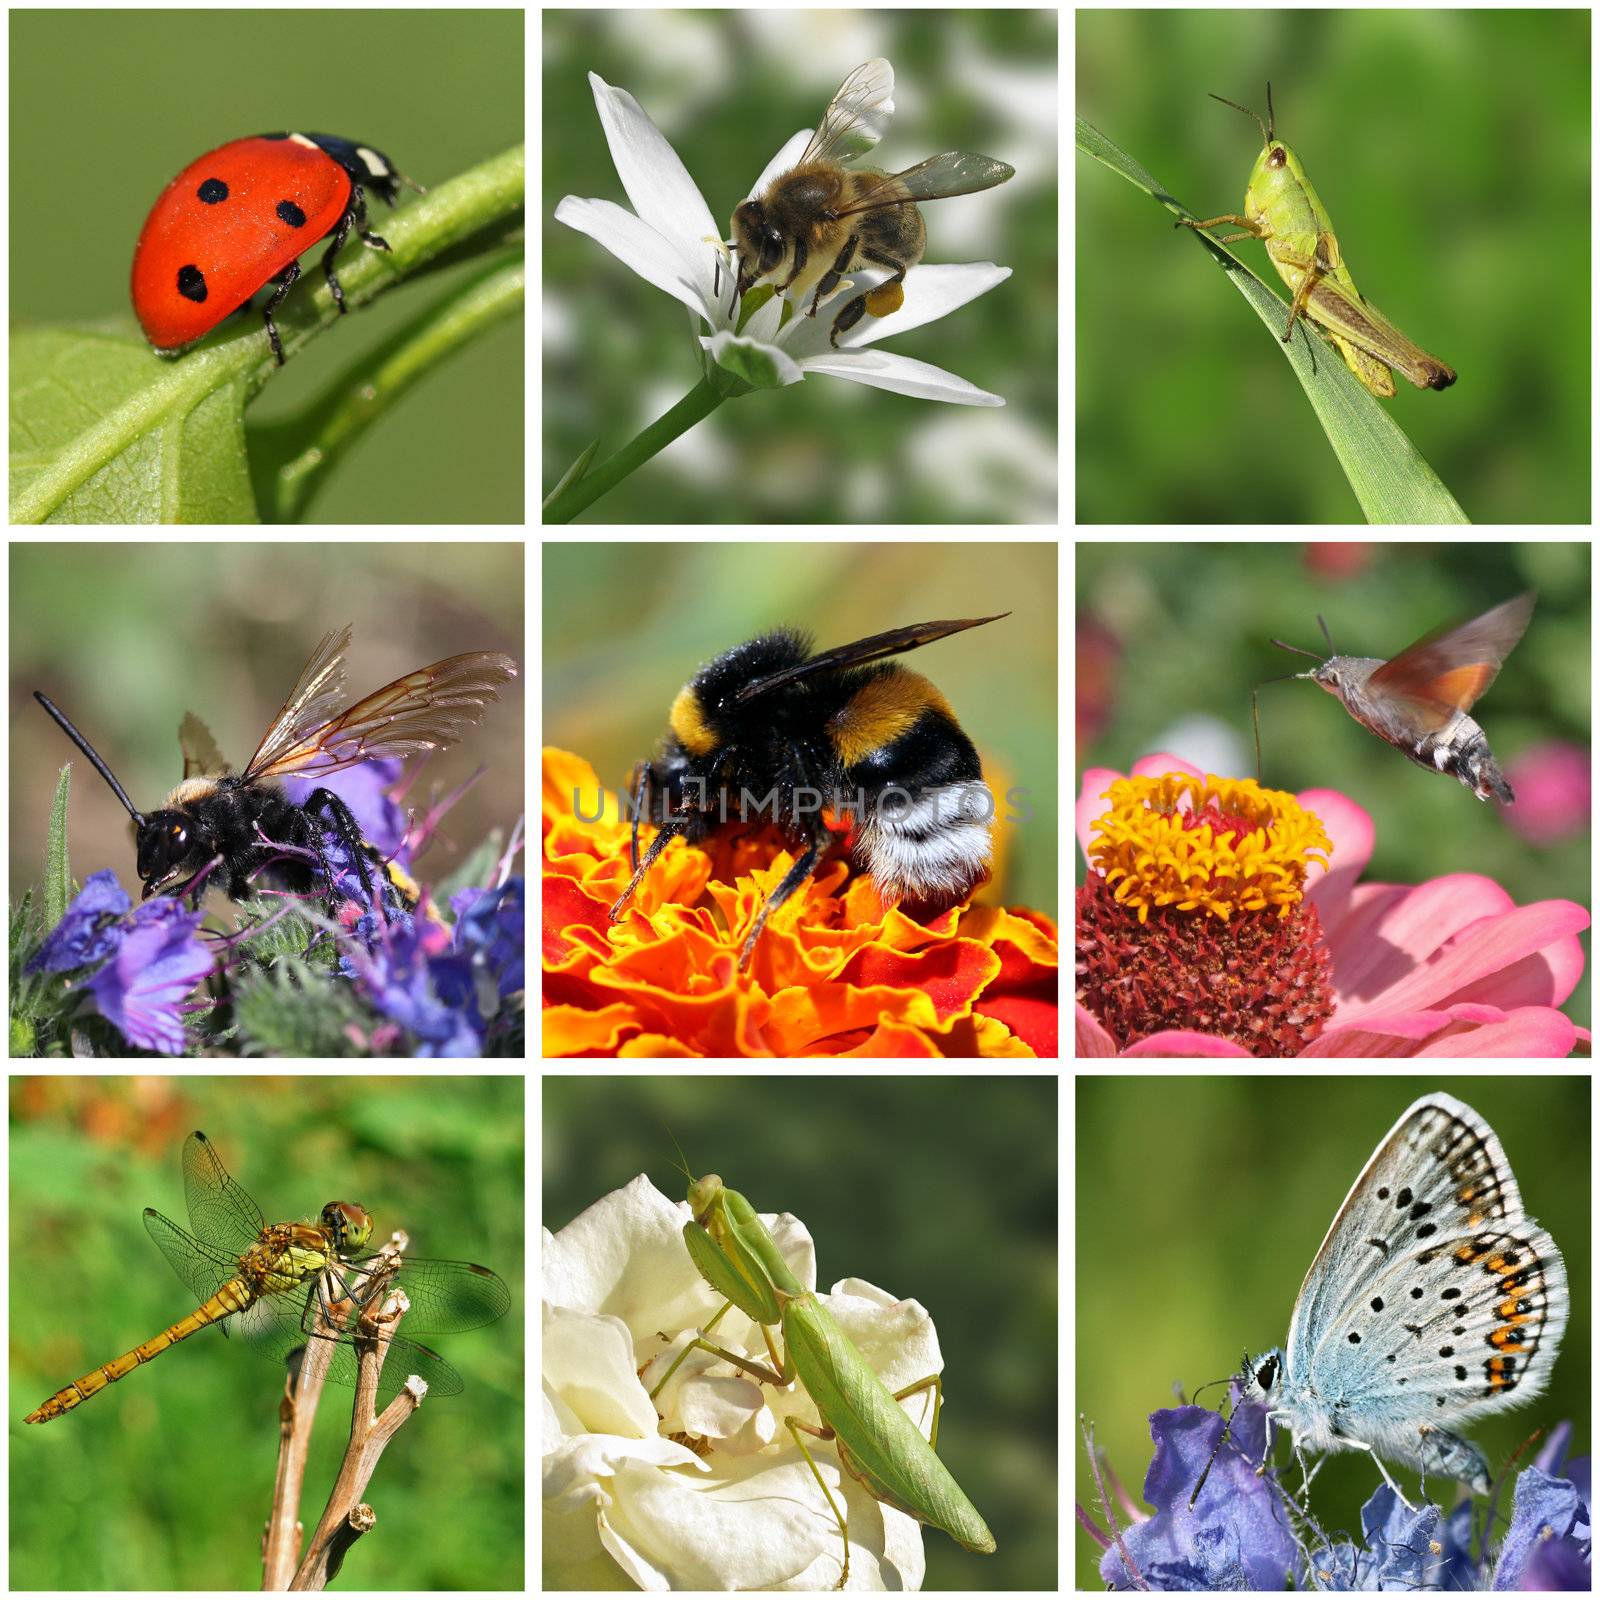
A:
{"points": [[355, 216], [361, 222], [340, 234], [285, 280]]}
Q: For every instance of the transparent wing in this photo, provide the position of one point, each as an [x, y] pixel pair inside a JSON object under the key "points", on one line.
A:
{"points": [[313, 701], [277, 1324], [202, 1267], [938, 178], [425, 710], [220, 1212], [857, 116], [445, 1296], [895, 642]]}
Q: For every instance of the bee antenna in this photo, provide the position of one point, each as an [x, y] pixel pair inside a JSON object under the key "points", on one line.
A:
{"points": [[93, 756]]}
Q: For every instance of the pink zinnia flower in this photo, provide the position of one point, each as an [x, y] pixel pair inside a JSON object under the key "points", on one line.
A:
{"points": [[1223, 919]]}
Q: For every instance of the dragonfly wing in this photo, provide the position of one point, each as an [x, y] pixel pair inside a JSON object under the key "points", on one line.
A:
{"points": [[448, 1296], [202, 1267], [406, 1358], [220, 1212], [277, 1324]]}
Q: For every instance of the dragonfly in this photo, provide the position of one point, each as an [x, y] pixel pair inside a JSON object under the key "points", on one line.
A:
{"points": [[280, 1286]]}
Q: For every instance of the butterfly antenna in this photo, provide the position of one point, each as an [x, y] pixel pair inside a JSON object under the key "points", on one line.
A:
{"points": [[1214, 1383], [1221, 1437], [1328, 636]]}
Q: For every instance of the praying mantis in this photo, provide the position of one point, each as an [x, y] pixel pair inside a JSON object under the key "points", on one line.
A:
{"points": [[877, 1442]]}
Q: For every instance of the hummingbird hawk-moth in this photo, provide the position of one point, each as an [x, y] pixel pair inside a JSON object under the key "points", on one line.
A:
{"points": [[1419, 700]]}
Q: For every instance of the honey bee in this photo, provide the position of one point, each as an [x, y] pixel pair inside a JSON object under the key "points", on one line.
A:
{"points": [[819, 220]]}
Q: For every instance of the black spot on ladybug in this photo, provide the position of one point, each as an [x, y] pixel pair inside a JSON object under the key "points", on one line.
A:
{"points": [[212, 192], [290, 213], [192, 284]]}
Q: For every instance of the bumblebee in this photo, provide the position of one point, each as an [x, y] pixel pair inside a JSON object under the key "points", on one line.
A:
{"points": [[769, 731], [244, 826], [819, 220]]}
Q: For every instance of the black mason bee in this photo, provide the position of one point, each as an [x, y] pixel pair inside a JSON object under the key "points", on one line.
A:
{"points": [[769, 731], [244, 825]]}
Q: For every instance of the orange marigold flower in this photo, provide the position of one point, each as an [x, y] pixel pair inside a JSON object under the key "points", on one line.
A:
{"points": [[834, 973]]}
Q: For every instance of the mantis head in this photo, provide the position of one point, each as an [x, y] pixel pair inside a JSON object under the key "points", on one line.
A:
{"points": [[704, 1193]]}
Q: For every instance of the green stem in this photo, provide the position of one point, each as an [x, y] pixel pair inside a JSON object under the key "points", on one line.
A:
{"points": [[698, 404]]}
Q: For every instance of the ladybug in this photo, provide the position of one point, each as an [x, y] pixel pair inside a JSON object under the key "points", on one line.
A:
{"points": [[241, 217]]}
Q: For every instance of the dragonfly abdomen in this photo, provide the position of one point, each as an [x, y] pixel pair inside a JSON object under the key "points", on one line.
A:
{"points": [[231, 1297]]}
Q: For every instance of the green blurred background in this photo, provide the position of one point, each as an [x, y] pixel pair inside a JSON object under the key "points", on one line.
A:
{"points": [[1452, 150], [164, 1480], [608, 687], [127, 637], [726, 89], [107, 106], [1171, 639], [1180, 1274], [965, 1223]]}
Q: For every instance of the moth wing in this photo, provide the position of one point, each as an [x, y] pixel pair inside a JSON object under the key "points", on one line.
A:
{"points": [[1447, 670]]}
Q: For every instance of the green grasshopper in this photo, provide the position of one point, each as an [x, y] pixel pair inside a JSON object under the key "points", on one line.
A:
{"points": [[877, 1443], [1283, 211]]}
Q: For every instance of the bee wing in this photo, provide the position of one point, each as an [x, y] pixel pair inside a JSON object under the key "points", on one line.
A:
{"points": [[425, 710], [313, 700], [938, 178], [1451, 667], [202, 757], [875, 648], [857, 116]]}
